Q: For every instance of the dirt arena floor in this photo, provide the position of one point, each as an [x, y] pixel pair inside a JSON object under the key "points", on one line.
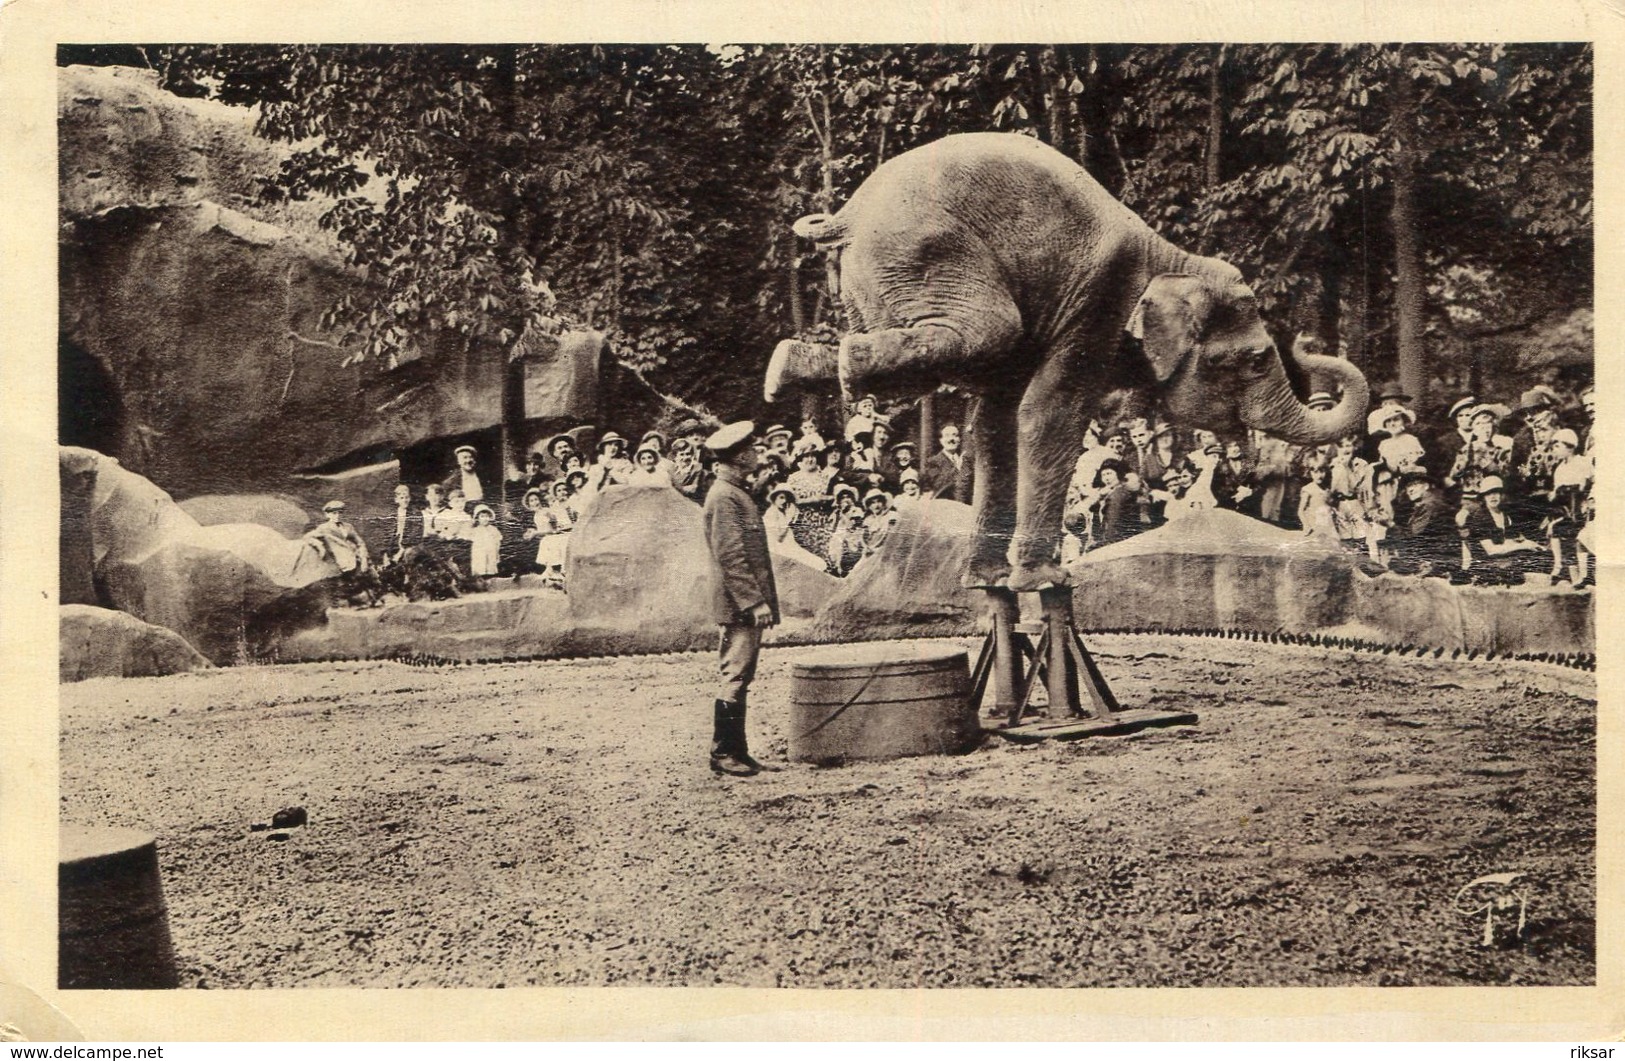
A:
{"points": [[555, 823]]}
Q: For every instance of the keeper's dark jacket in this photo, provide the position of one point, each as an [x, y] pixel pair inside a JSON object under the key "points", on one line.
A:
{"points": [[741, 569]]}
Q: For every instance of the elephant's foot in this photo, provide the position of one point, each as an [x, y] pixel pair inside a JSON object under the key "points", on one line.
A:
{"points": [[1029, 578], [794, 365], [985, 575]]}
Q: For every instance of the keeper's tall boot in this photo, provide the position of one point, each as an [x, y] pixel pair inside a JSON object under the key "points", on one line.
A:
{"points": [[741, 746], [727, 736]]}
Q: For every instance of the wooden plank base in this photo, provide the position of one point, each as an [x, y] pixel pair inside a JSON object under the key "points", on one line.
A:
{"points": [[1130, 720]]}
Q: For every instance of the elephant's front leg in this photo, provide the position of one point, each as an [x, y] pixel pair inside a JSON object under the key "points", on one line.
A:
{"points": [[1049, 432], [919, 357], [991, 435], [796, 365]]}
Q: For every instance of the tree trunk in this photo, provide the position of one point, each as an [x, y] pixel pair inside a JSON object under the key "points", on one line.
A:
{"points": [[1215, 120], [1410, 293], [1053, 96], [1356, 326], [928, 429], [1095, 148], [798, 312], [1331, 299]]}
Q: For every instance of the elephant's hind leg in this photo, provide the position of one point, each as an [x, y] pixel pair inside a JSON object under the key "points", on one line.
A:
{"points": [[938, 349]]}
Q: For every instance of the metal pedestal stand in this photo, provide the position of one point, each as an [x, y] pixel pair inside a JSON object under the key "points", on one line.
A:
{"points": [[1012, 664]]}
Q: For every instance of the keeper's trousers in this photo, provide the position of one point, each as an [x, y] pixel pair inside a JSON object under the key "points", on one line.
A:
{"points": [[736, 658]]}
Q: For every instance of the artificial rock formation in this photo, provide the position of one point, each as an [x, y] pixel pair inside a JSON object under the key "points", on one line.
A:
{"points": [[192, 341], [284, 515], [101, 643], [911, 587], [1214, 570], [207, 584]]}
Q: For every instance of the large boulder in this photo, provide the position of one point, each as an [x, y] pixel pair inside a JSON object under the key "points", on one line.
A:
{"points": [[639, 573], [910, 588], [803, 587], [207, 584], [100, 643], [76, 570], [282, 514], [1214, 569]]}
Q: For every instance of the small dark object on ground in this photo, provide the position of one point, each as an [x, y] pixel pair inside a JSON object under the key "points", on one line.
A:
{"points": [[288, 818], [278, 837]]}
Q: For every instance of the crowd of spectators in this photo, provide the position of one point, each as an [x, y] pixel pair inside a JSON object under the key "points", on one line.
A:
{"points": [[827, 503], [1489, 495]]}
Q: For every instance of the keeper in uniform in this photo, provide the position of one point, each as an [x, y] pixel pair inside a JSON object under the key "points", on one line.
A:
{"points": [[744, 601]]}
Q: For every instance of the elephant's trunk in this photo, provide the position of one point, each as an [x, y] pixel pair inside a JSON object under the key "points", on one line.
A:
{"points": [[1275, 408]]}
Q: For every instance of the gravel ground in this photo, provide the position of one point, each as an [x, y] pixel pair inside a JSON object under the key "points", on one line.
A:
{"points": [[555, 823]]}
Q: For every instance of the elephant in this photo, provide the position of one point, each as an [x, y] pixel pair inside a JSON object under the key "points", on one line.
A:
{"points": [[992, 262]]}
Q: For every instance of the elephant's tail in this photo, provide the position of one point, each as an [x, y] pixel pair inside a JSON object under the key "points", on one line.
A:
{"points": [[826, 230]]}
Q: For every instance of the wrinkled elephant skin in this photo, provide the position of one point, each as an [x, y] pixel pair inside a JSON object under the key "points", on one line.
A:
{"points": [[994, 263]]}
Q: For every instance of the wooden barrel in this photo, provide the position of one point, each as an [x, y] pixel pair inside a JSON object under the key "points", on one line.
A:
{"points": [[113, 927], [880, 702]]}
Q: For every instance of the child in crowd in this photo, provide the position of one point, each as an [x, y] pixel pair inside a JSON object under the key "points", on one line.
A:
{"points": [[485, 543], [846, 540], [878, 520], [1314, 504]]}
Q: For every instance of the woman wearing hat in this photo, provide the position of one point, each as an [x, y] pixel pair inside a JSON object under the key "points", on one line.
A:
{"points": [[908, 490], [1116, 508], [613, 468], [1569, 501], [1499, 554], [781, 513], [808, 481], [1400, 449], [860, 461], [900, 460], [647, 469], [784, 525], [878, 520]]}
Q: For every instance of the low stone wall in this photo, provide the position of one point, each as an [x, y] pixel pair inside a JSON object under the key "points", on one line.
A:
{"points": [[1224, 571], [1215, 571]]}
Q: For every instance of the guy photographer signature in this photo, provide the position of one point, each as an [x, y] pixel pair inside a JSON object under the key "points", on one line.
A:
{"points": [[1496, 896]]}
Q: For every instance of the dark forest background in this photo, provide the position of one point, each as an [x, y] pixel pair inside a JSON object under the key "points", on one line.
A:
{"points": [[1424, 209]]}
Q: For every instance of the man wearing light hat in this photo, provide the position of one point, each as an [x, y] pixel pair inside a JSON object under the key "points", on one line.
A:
{"points": [[465, 476], [337, 540], [744, 599]]}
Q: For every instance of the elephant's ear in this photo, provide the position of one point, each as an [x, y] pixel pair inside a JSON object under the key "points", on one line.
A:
{"points": [[1168, 319]]}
